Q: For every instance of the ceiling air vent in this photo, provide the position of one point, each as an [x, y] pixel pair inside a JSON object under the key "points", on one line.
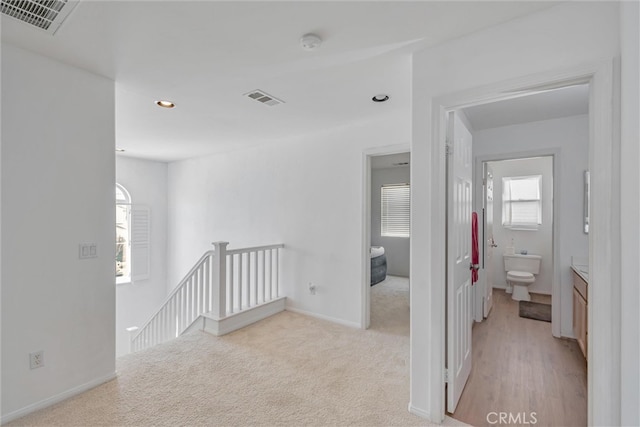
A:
{"points": [[264, 97], [44, 14]]}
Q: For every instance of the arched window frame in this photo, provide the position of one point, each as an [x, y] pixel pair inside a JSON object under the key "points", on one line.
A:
{"points": [[123, 235]]}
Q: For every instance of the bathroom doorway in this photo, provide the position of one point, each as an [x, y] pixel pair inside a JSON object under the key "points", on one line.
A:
{"points": [[531, 150], [517, 219]]}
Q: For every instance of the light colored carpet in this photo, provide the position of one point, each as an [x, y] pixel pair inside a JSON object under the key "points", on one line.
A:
{"points": [[288, 370]]}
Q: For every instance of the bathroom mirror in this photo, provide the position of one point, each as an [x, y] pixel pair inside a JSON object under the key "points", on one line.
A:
{"points": [[586, 201]]}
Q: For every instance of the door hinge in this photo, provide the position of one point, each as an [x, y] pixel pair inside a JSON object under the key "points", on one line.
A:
{"points": [[448, 148], [446, 376]]}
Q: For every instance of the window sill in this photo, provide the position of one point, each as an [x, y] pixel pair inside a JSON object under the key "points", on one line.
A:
{"points": [[521, 228]]}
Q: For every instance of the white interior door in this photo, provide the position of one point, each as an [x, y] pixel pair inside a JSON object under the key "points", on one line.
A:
{"points": [[489, 242], [459, 295]]}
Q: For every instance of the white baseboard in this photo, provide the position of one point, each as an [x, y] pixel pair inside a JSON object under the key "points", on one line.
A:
{"points": [[56, 399], [323, 317], [419, 412], [235, 321]]}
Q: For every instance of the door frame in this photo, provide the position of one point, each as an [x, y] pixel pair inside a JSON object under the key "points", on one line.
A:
{"points": [[365, 305], [604, 241], [554, 153]]}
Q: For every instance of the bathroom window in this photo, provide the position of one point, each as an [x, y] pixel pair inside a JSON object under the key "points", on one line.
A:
{"points": [[522, 202], [396, 210]]}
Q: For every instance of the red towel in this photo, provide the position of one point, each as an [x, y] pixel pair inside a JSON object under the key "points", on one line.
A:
{"points": [[475, 255]]}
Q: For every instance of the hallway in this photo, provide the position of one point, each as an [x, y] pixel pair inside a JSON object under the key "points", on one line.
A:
{"points": [[520, 368]]}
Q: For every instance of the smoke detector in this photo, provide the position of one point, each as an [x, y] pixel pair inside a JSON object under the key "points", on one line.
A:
{"points": [[45, 15], [310, 41]]}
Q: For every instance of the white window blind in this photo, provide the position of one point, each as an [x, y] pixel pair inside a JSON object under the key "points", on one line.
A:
{"points": [[140, 242], [522, 201], [396, 210]]}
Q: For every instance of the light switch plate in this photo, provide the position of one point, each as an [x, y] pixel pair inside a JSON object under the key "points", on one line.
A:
{"points": [[88, 250]]}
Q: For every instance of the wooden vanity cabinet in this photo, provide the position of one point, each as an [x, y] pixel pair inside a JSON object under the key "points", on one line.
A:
{"points": [[580, 303]]}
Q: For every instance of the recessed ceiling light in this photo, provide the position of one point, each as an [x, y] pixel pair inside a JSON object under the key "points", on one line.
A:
{"points": [[380, 98], [310, 41], [165, 104], [119, 150]]}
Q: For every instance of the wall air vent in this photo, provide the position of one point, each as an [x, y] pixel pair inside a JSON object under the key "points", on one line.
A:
{"points": [[46, 15], [264, 98]]}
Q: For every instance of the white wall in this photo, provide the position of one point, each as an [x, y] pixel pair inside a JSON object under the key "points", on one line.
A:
{"points": [[396, 248], [136, 302], [57, 192], [630, 212], [305, 193], [564, 36], [570, 137], [540, 241]]}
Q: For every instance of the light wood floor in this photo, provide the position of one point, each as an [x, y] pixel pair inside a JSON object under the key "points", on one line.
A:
{"points": [[519, 367]]}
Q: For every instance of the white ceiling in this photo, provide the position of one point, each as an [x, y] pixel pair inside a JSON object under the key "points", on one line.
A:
{"points": [[391, 161], [552, 104], [204, 55]]}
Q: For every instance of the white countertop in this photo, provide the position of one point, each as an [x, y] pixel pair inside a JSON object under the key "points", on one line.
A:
{"points": [[582, 271]]}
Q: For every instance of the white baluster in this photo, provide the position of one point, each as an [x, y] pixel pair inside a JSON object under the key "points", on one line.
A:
{"points": [[230, 284], [247, 292], [156, 330], [264, 277], [193, 300], [161, 325], [277, 263], [187, 305], [254, 265], [203, 290], [240, 282], [183, 308], [196, 295], [171, 315], [269, 273]]}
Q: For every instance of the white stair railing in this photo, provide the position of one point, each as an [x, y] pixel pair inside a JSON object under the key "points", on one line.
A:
{"points": [[221, 283], [252, 277]]}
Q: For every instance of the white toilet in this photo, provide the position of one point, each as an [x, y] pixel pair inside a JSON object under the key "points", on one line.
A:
{"points": [[521, 271]]}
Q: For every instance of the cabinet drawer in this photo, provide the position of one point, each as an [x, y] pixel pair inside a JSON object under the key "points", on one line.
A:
{"points": [[580, 321], [580, 285]]}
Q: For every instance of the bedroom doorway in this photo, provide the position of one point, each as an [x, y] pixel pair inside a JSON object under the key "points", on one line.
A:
{"points": [[387, 242]]}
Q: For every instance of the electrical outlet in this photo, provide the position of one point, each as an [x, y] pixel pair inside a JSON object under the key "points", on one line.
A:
{"points": [[36, 359], [312, 288]]}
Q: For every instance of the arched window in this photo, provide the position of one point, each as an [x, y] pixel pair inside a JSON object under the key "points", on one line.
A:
{"points": [[123, 235], [133, 229]]}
